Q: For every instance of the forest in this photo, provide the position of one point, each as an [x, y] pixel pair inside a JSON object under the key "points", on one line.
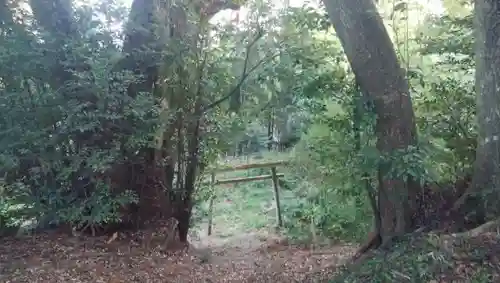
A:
{"points": [[136, 137]]}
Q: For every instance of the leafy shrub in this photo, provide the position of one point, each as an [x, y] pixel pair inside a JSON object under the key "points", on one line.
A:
{"points": [[332, 198], [59, 139]]}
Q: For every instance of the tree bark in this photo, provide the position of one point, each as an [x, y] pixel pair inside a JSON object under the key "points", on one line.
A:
{"points": [[170, 22], [151, 25], [374, 62], [481, 202]]}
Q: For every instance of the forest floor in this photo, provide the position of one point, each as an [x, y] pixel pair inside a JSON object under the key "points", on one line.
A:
{"points": [[429, 258], [253, 257], [244, 247], [250, 257]]}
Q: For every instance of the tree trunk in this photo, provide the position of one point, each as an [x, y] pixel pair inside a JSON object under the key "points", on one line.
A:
{"points": [[171, 20], [142, 50], [481, 202], [375, 65], [270, 130], [151, 25]]}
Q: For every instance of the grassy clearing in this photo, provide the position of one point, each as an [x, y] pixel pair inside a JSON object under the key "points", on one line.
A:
{"points": [[243, 207]]}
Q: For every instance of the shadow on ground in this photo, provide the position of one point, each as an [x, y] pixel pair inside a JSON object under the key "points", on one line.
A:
{"points": [[242, 258]]}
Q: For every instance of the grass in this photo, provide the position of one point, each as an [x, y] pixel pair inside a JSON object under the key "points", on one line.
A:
{"points": [[246, 207], [242, 207]]}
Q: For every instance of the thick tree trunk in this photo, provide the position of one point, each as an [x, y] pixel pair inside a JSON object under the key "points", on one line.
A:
{"points": [[374, 62], [142, 50], [483, 197], [151, 25]]}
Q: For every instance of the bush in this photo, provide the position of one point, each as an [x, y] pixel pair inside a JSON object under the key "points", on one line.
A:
{"points": [[58, 140], [331, 198]]}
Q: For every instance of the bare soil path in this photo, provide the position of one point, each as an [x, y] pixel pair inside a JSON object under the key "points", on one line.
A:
{"points": [[252, 257]]}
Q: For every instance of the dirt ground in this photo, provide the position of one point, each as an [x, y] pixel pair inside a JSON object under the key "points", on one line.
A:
{"points": [[251, 257]]}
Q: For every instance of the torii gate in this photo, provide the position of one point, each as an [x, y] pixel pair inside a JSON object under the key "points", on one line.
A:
{"points": [[274, 176]]}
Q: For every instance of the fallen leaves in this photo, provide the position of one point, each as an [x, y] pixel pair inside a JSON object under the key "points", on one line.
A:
{"points": [[56, 258]]}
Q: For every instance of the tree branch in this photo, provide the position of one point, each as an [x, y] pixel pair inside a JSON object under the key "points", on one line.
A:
{"points": [[245, 74]]}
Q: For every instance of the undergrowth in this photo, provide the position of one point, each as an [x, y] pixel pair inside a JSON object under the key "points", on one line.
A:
{"points": [[425, 258], [310, 213]]}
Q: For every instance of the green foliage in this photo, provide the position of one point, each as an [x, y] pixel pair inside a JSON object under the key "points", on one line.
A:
{"points": [[445, 104], [286, 65], [333, 198], [337, 158], [424, 258], [58, 139]]}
